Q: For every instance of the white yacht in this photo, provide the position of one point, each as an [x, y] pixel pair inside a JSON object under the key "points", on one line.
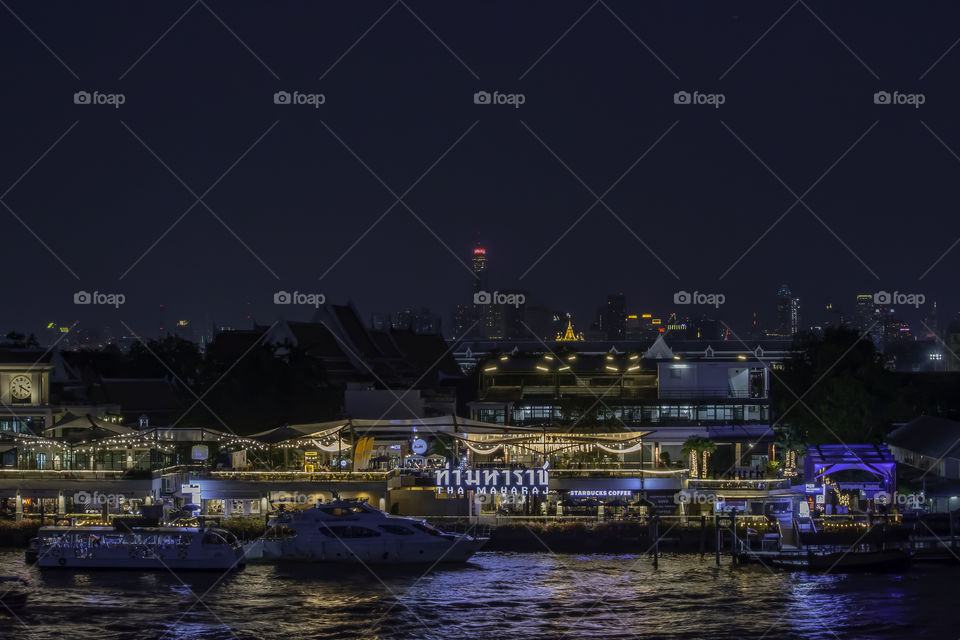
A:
{"points": [[353, 531], [171, 547]]}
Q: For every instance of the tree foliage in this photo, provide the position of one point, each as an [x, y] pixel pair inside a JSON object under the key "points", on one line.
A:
{"points": [[835, 390]]}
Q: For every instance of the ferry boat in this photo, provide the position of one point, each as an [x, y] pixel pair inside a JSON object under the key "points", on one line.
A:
{"points": [[353, 531], [150, 547]]}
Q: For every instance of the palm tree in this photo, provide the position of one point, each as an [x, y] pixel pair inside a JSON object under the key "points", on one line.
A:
{"points": [[792, 442], [697, 448]]}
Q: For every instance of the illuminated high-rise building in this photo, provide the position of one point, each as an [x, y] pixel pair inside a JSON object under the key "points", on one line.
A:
{"points": [[480, 281], [788, 312], [866, 311]]}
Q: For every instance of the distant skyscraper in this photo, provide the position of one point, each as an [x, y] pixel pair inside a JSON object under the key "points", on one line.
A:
{"points": [[616, 317], [866, 313], [480, 318], [409, 319], [480, 269], [788, 312], [834, 316], [931, 328]]}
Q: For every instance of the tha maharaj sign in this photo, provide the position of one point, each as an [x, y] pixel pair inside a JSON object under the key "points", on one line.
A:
{"points": [[516, 482]]}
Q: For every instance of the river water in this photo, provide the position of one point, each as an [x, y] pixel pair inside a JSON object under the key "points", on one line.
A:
{"points": [[497, 595]]}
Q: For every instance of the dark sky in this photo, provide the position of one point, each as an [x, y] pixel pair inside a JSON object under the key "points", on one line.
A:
{"points": [[800, 98]]}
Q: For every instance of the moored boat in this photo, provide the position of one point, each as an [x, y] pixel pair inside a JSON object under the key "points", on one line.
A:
{"points": [[936, 549], [151, 547], [353, 531], [815, 560]]}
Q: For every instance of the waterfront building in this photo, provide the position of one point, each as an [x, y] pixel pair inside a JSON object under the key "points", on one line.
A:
{"points": [[40, 388], [721, 394], [928, 450]]}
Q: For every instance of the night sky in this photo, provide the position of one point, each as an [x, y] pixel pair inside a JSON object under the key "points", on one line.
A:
{"points": [[291, 194]]}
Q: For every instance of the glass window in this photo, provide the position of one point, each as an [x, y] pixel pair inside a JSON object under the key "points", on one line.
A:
{"points": [[339, 531], [395, 530]]}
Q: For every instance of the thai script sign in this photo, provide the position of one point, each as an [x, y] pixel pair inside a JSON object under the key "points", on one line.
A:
{"points": [[511, 481]]}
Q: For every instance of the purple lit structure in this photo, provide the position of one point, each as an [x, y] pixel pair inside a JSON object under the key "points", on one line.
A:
{"points": [[825, 459]]}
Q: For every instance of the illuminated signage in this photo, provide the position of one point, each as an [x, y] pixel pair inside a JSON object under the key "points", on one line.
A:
{"points": [[600, 493], [199, 452], [418, 446], [521, 482]]}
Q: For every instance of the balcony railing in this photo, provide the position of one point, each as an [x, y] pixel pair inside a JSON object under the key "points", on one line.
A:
{"points": [[51, 474], [727, 484], [713, 394]]}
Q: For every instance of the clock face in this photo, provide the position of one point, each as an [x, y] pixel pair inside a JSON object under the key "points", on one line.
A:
{"points": [[20, 387]]}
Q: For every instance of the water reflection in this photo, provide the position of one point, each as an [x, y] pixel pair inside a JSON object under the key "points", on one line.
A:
{"points": [[496, 595]]}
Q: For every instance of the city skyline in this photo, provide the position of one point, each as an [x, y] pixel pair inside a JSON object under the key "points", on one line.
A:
{"points": [[770, 315], [696, 196]]}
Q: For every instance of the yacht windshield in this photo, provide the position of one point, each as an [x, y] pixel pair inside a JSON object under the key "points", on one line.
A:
{"points": [[423, 526]]}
